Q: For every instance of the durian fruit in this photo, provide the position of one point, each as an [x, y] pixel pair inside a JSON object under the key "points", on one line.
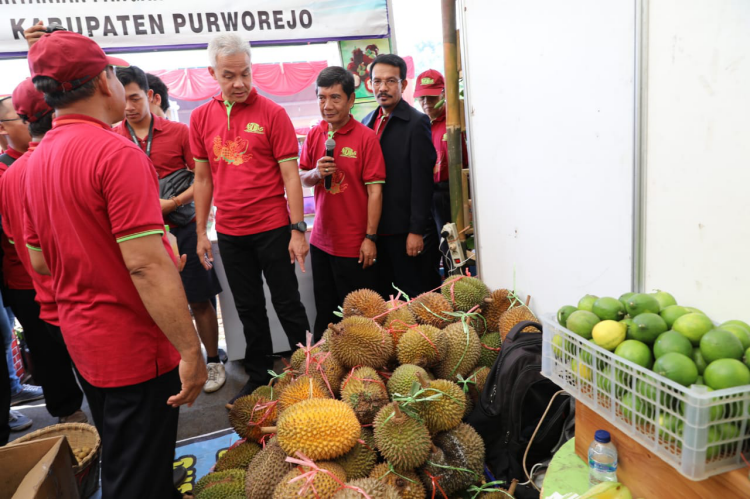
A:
{"points": [[299, 358], [364, 391], [454, 451], [513, 316], [406, 482], [423, 346], [302, 388], [402, 440], [280, 382], [358, 341], [326, 364], [442, 405], [251, 412], [365, 303], [428, 308], [398, 320], [462, 352], [325, 341], [265, 391], [266, 470], [323, 485], [373, 488], [219, 484], [499, 302], [237, 457], [322, 429], [490, 349], [403, 378], [359, 461], [464, 292], [479, 378], [469, 405]]}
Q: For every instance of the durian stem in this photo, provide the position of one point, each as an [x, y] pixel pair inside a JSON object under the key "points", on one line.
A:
{"points": [[422, 381], [489, 300], [267, 430], [528, 300], [397, 411], [512, 488], [229, 406]]}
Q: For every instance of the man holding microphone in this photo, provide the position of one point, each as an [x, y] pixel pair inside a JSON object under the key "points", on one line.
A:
{"points": [[342, 159]]}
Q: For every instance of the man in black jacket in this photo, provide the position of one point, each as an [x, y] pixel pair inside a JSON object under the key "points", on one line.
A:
{"points": [[408, 254]]}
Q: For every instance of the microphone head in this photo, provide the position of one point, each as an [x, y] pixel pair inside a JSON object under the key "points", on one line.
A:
{"points": [[330, 144]]}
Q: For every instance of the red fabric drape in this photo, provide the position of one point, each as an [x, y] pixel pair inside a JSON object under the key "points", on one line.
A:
{"points": [[195, 84]]}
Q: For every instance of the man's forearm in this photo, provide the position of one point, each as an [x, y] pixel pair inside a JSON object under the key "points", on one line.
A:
{"points": [[161, 291], [374, 207], [293, 187], [309, 178], [186, 196], [203, 189]]}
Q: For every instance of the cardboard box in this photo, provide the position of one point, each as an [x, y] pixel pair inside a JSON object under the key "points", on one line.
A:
{"points": [[40, 469]]}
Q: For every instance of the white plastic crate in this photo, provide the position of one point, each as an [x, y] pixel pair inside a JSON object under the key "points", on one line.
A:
{"points": [[672, 421]]}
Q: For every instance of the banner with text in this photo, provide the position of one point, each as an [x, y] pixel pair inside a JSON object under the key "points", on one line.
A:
{"points": [[144, 24]]}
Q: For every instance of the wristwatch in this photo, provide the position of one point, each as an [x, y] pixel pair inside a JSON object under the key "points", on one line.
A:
{"points": [[300, 226], [372, 237]]}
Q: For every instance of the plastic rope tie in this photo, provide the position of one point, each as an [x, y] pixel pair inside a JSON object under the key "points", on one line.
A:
{"points": [[436, 486], [364, 380], [309, 476], [391, 469], [488, 487]]}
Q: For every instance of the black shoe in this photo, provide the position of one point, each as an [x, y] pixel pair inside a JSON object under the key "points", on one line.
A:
{"points": [[179, 475], [249, 388]]}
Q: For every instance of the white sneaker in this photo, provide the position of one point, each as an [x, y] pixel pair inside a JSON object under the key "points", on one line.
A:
{"points": [[217, 376]]}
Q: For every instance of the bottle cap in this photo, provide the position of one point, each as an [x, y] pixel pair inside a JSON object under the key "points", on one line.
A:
{"points": [[602, 436]]}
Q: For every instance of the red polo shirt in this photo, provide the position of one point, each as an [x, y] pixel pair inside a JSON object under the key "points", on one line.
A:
{"points": [[244, 142], [88, 189], [381, 122], [170, 145], [341, 213], [17, 268], [13, 154], [440, 141]]}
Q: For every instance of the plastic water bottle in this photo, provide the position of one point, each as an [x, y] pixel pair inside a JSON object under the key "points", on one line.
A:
{"points": [[602, 459]]}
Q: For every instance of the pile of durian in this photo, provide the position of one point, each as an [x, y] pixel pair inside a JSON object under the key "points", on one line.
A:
{"points": [[374, 410]]}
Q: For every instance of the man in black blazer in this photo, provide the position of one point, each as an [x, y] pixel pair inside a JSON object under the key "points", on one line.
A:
{"points": [[408, 254]]}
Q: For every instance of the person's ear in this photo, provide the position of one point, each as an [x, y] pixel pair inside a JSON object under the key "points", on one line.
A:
{"points": [[404, 84], [150, 95], [3, 131], [212, 72], [103, 83]]}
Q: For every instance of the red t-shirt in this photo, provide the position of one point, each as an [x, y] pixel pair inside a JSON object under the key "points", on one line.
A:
{"points": [[380, 122], [170, 145], [440, 141], [12, 194], [88, 189], [341, 213], [244, 142]]}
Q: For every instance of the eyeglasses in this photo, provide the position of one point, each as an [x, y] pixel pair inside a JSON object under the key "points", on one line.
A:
{"points": [[14, 119], [389, 82]]}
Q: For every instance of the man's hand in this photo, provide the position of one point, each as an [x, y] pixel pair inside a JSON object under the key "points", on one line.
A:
{"points": [[414, 244], [326, 167], [367, 253], [167, 206], [204, 250], [34, 33], [181, 263], [298, 249], [193, 376]]}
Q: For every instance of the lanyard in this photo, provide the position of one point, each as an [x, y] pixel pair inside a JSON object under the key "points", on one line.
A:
{"points": [[150, 136]]}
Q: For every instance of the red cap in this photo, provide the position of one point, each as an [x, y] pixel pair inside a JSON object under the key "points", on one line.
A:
{"points": [[29, 101], [430, 82], [69, 58]]}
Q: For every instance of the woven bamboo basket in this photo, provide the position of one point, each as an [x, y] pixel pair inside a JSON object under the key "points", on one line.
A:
{"points": [[79, 435]]}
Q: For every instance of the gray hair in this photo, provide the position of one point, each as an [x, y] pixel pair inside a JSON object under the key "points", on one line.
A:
{"points": [[226, 44]]}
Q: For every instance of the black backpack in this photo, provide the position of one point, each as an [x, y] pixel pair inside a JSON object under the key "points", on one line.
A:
{"points": [[513, 401]]}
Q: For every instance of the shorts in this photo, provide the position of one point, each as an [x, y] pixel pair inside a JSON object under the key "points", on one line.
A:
{"points": [[200, 285]]}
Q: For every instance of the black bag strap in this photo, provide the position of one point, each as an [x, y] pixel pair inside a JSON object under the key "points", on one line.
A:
{"points": [[6, 159], [520, 327]]}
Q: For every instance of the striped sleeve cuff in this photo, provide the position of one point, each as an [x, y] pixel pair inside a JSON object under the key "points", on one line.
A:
{"points": [[375, 182], [139, 234], [33, 248], [295, 158], [199, 160]]}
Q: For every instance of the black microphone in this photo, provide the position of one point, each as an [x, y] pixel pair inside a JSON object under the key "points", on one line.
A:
{"points": [[330, 145]]}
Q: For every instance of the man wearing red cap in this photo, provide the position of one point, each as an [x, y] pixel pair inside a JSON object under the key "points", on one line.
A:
{"points": [[93, 222], [245, 152], [52, 365], [430, 92]]}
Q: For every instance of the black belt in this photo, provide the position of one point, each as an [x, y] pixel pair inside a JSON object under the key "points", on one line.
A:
{"points": [[442, 186]]}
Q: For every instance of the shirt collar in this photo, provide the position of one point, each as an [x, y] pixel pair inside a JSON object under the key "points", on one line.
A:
{"points": [[248, 102], [32, 146], [70, 119], [341, 131], [439, 118], [13, 153], [158, 122]]}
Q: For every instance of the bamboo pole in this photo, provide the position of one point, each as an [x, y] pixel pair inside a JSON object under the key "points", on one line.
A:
{"points": [[453, 118]]}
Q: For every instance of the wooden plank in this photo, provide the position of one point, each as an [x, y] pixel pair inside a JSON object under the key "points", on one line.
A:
{"points": [[647, 475]]}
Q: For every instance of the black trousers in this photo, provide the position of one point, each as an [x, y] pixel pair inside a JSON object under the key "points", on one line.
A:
{"points": [[413, 275], [441, 212], [4, 401], [53, 369], [334, 277], [138, 431], [247, 259]]}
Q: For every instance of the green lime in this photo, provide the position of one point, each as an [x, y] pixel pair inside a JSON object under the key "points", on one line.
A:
{"points": [[557, 343], [643, 409], [694, 310], [672, 341], [713, 436], [720, 344], [700, 362], [581, 369], [603, 381], [665, 299], [625, 297], [672, 313], [645, 390], [608, 309], [699, 381], [737, 323], [747, 357], [608, 334], [646, 327], [677, 367], [728, 431], [717, 411], [582, 323], [641, 303], [740, 332], [693, 326], [564, 313], [726, 373], [587, 302], [635, 351], [671, 428]]}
